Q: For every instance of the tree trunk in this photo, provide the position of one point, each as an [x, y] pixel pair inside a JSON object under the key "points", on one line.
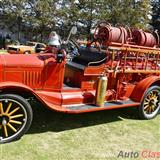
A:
{"points": [[19, 19]]}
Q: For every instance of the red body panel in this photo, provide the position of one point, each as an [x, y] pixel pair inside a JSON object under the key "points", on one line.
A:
{"points": [[44, 77], [39, 72]]}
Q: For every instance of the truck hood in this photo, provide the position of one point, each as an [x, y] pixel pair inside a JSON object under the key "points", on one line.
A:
{"points": [[24, 60], [37, 71]]}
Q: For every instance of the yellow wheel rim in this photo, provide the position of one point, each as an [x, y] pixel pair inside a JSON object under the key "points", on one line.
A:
{"points": [[12, 118], [151, 102]]}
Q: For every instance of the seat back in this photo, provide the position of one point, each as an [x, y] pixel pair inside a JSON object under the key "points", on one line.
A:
{"points": [[89, 55]]}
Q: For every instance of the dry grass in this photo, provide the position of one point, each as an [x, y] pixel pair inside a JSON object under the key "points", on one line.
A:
{"points": [[99, 135]]}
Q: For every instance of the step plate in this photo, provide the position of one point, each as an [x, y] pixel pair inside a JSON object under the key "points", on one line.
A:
{"points": [[107, 105]]}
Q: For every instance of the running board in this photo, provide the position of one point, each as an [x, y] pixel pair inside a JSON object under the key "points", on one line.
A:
{"points": [[107, 106]]}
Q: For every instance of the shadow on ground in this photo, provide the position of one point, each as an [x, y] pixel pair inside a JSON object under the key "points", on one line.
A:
{"points": [[47, 120]]}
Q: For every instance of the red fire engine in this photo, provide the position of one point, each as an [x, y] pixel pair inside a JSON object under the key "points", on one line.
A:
{"points": [[123, 71]]}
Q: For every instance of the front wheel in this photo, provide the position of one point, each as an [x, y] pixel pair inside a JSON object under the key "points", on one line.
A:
{"points": [[15, 117], [150, 105]]}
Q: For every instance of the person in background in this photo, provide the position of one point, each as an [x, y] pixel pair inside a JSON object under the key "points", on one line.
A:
{"points": [[54, 46], [54, 42]]}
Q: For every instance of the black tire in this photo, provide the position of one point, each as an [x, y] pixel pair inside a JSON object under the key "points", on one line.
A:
{"points": [[15, 116], [150, 105]]}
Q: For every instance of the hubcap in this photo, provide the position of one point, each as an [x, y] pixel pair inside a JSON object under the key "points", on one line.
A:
{"points": [[12, 118], [151, 102]]}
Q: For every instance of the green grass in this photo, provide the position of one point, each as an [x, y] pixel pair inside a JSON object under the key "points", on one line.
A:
{"points": [[98, 135], [3, 51]]}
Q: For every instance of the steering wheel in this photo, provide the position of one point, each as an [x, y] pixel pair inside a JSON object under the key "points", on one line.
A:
{"points": [[72, 49]]}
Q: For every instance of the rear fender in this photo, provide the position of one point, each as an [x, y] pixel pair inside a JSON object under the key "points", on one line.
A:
{"points": [[140, 89]]}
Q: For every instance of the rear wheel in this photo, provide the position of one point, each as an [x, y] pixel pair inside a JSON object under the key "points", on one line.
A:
{"points": [[15, 117], [151, 103]]}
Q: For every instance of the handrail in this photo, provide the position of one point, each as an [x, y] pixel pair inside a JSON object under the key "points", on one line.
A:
{"points": [[97, 61], [134, 59], [119, 45]]}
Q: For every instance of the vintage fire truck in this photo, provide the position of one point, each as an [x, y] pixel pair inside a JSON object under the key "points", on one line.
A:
{"points": [[122, 71]]}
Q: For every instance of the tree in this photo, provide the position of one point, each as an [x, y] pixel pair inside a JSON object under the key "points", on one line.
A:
{"points": [[133, 13], [32, 17], [156, 15], [42, 17], [142, 13], [86, 13], [36, 18], [14, 13]]}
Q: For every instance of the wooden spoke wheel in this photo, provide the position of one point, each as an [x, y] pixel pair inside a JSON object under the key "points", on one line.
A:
{"points": [[15, 117], [151, 103]]}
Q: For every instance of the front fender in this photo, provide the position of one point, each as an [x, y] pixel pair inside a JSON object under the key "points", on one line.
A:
{"points": [[142, 86], [16, 85], [46, 100], [10, 85]]}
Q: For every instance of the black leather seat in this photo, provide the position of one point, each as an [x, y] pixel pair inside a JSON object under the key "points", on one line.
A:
{"points": [[89, 55]]}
